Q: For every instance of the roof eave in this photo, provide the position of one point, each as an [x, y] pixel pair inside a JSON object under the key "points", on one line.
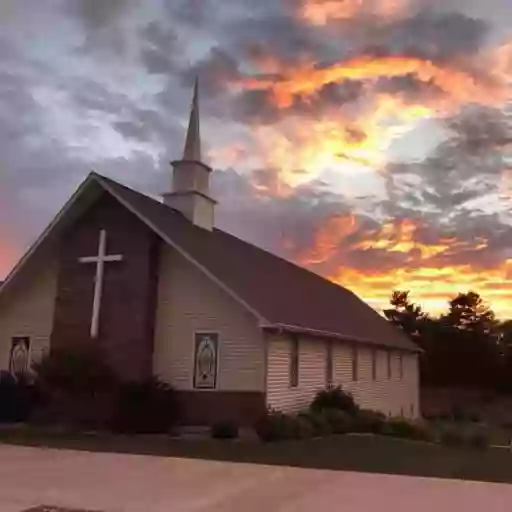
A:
{"points": [[280, 327]]}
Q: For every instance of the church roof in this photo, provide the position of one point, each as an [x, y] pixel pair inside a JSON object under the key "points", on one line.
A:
{"points": [[283, 296], [280, 293]]}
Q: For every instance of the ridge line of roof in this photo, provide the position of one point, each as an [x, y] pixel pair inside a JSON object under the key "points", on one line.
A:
{"points": [[175, 245], [249, 244]]}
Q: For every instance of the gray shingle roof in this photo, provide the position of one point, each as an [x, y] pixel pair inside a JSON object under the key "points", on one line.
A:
{"points": [[284, 294]]}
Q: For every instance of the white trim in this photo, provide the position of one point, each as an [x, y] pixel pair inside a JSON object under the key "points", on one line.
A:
{"points": [[100, 260], [185, 254], [306, 330], [93, 177]]}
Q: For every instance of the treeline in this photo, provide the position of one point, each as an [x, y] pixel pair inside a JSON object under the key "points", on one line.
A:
{"points": [[467, 346]]}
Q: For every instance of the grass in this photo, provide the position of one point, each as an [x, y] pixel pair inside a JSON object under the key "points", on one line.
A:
{"points": [[353, 453]]}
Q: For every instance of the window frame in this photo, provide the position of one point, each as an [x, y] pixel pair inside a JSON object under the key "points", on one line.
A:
{"points": [[329, 363], [20, 339], [355, 363], [294, 361]]}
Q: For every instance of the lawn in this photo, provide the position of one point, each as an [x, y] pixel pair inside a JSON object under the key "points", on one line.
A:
{"points": [[351, 452]]}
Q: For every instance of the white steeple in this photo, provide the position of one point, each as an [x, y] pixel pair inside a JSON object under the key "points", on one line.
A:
{"points": [[192, 150], [191, 177]]}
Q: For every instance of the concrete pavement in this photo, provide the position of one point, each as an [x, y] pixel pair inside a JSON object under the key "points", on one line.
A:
{"points": [[134, 483]]}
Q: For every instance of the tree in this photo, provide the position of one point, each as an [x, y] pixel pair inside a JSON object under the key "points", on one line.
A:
{"points": [[505, 341], [474, 341], [468, 312], [462, 347], [405, 314]]}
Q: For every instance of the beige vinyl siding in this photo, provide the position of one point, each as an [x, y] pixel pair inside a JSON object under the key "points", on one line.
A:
{"points": [[312, 373], [27, 310], [189, 301], [392, 396]]}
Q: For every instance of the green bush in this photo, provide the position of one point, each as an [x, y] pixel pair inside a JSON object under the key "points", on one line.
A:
{"points": [[77, 372], [319, 422], [18, 398], [303, 428], [334, 398], [225, 430], [367, 420], [479, 439], [459, 414], [474, 417], [77, 386], [275, 426], [399, 427], [340, 421], [452, 436], [148, 407]]}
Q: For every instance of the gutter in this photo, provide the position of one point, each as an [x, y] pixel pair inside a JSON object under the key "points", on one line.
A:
{"points": [[280, 328]]}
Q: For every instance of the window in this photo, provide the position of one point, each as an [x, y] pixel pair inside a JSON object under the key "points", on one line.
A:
{"points": [[329, 371], [205, 364], [294, 362], [374, 364], [19, 357], [401, 366], [389, 365], [355, 364]]}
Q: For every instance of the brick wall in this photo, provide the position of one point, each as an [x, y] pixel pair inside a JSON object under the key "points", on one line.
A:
{"points": [[128, 302]]}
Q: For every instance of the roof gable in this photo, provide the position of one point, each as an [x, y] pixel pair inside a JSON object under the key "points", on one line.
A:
{"points": [[278, 293], [281, 293]]}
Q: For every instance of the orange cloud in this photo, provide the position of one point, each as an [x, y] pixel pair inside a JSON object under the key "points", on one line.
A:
{"points": [[432, 287], [320, 12], [430, 284], [306, 79]]}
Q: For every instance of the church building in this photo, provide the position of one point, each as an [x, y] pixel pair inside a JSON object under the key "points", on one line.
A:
{"points": [[162, 292]]}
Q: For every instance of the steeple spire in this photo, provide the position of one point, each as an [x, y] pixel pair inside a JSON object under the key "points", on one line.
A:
{"points": [[190, 191], [192, 149]]}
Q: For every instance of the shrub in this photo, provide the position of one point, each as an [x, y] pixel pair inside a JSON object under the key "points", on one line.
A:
{"points": [[18, 398], [76, 372], [398, 427], [340, 421], [334, 398], [319, 422], [148, 407], [474, 417], [225, 430], [367, 420], [479, 439], [303, 428], [78, 387], [275, 426], [459, 414], [452, 436]]}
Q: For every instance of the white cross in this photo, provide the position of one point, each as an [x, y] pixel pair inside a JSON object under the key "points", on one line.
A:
{"points": [[100, 261]]}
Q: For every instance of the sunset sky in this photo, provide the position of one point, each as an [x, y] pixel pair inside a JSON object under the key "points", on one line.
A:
{"points": [[367, 140]]}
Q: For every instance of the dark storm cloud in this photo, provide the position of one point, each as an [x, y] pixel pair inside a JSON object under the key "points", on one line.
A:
{"points": [[466, 166], [429, 34], [258, 107], [96, 15], [40, 171]]}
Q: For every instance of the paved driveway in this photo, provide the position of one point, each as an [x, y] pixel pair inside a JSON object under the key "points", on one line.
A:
{"points": [[134, 483]]}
